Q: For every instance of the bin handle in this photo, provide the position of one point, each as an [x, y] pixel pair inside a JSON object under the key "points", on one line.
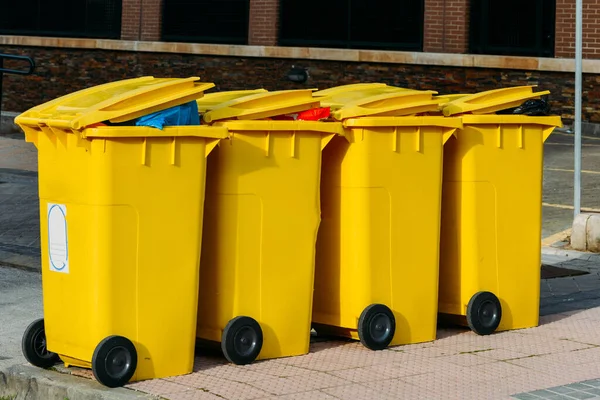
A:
{"points": [[546, 132], [210, 145], [447, 133], [325, 139]]}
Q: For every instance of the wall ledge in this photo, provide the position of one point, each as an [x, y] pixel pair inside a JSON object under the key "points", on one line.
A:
{"points": [[311, 53]]}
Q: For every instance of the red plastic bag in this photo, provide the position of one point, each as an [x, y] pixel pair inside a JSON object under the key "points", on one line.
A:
{"points": [[314, 114]]}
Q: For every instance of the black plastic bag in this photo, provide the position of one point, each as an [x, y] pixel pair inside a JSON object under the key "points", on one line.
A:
{"points": [[536, 107]]}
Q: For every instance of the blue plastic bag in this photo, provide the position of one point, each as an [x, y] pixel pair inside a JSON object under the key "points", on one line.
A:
{"points": [[184, 114]]}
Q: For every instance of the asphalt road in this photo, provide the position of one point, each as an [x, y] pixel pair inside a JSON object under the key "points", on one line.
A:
{"points": [[558, 180]]}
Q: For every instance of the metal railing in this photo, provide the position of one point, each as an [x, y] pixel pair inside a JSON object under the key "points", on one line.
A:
{"points": [[3, 71]]}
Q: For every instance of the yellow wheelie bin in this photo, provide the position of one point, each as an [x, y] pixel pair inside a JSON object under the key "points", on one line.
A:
{"points": [[121, 219], [261, 218], [491, 212], [376, 276]]}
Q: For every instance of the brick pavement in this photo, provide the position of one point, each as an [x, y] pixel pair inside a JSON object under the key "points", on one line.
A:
{"points": [[560, 359]]}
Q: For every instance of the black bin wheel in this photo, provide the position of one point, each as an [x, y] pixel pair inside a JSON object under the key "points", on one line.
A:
{"points": [[34, 346], [484, 313], [242, 340], [376, 327], [114, 361]]}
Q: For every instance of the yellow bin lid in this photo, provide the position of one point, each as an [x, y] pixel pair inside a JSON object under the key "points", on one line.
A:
{"points": [[399, 103], [339, 100], [492, 100], [347, 88], [446, 98], [211, 100], [263, 105], [116, 102]]}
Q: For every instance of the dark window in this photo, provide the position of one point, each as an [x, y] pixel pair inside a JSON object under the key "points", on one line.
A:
{"points": [[353, 24], [513, 27], [206, 21], [66, 18]]}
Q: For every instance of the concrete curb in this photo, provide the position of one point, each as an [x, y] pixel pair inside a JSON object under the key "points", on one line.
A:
{"points": [[587, 129], [569, 258], [24, 382], [585, 234], [590, 129], [570, 253], [7, 124], [20, 261]]}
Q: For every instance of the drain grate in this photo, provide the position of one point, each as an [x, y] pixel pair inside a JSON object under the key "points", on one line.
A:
{"points": [[550, 271]]}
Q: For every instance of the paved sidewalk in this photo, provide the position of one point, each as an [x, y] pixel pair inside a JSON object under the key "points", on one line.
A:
{"points": [[560, 359], [556, 293], [20, 304]]}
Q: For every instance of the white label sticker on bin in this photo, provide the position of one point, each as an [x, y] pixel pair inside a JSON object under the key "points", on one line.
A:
{"points": [[58, 243]]}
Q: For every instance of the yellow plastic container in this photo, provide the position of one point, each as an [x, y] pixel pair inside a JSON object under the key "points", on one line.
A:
{"points": [[392, 104], [211, 100], [340, 96], [446, 98], [491, 214], [376, 276], [261, 218], [121, 219], [491, 100], [263, 105], [332, 91]]}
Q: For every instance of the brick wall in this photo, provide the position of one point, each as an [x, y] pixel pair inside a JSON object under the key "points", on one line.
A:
{"points": [[446, 26], [62, 71], [565, 29], [264, 22], [151, 19], [141, 20], [130, 20]]}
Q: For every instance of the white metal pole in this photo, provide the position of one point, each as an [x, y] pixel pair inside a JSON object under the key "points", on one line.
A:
{"points": [[577, 122]]}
